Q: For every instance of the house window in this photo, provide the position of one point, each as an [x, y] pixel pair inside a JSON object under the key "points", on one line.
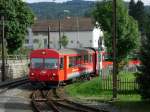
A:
{"points": [[26, 41], [35, 33], [90, 41], [35, 41], [71, 41], [45, 41]]}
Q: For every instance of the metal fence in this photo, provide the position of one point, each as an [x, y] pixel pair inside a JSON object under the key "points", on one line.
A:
{"points": [[124, 85], [15, 57]]}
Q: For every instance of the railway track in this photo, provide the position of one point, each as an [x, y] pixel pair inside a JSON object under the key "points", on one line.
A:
{"points": [[41, 102], [49, 101], [4, 86]]}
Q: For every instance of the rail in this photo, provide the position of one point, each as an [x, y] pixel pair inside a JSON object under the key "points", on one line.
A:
{"points": [[58, 104], [13, 82]]}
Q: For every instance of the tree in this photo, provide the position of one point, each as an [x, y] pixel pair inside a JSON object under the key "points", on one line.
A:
{"points": [[143, 77], [127, 29], [132, 8], [17, 18], [137, 11], [140, 15], [64, 41]]}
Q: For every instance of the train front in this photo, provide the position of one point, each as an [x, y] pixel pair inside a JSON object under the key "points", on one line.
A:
{"points": [[44, 66]]}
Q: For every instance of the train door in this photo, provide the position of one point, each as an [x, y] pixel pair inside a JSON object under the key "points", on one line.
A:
{"points": [[66, 65], [61, 69]]}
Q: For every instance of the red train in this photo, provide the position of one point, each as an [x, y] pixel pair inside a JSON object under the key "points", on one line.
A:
{"points": [[53, 66]]}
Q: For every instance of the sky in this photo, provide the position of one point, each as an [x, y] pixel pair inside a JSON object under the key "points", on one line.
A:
{"points": [[146, 2]]}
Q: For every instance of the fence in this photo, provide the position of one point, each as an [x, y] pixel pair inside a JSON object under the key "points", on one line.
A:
{"points": [[15, 57], [124, 85]]}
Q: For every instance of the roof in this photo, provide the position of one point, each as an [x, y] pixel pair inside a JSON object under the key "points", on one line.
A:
{"points": [[75, 51], [72, 24], [69, 51]]}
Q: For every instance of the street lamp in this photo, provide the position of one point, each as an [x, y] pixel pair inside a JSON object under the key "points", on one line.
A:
{"points": [[77, 20], [100, 48], [59, 22]]}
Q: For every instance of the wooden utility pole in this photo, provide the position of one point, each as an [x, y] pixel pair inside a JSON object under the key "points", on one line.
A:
{"points": [[48, 43], [114, 50], [3, 55], [59, 33]]}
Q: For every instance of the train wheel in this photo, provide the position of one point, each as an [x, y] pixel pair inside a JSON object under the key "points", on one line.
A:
{"points": [[33, 83], [89, 78]]}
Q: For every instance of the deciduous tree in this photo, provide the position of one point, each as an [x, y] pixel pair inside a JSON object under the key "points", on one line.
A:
{"points": [[17, 18], [144, 75], [127, 28], [132, 8], [137, 11], [64, 41]]}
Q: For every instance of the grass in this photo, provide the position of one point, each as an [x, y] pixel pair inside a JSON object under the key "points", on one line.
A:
{"points": [[127, 75], [91, 90]]}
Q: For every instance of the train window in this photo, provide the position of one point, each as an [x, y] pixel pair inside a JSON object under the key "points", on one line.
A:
{"points": [[61, 63], [51, 63], [78, 60], [90, 58], [36, 63], [72, 61], [85, 58]]}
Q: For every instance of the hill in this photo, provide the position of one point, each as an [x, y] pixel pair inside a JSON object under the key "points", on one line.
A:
{"points": [[52, 10]]}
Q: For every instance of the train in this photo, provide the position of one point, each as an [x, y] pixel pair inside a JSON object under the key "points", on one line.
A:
{"points": [[53, 67]]}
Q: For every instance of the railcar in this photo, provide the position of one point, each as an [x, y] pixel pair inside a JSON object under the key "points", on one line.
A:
{"points": [[53, 66]]}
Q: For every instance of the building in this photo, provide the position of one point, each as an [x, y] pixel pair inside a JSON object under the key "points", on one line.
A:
{"points": [[80, 32]]}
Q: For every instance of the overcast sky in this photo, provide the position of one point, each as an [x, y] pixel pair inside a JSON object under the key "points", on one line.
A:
{"points": [[31, 1]]}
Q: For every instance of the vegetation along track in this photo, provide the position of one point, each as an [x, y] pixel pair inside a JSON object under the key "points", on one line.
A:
{"points": [[48, 100], [4, 86]]}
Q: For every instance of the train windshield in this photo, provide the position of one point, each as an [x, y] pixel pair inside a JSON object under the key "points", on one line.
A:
{"points": [[47, 63], [51, 63], [36, 62]]}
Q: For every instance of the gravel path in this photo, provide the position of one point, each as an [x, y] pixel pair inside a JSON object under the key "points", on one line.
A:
{"points": [[16, 99]]}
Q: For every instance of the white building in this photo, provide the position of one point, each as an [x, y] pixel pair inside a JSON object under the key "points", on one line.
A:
{"points": [[80, 32]]}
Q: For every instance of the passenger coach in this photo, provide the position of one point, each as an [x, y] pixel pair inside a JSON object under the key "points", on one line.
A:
{"points": [[54, 66]]}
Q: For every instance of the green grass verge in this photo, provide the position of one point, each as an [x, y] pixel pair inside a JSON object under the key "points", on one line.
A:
{"points": [[91, 90], [86, 89]]}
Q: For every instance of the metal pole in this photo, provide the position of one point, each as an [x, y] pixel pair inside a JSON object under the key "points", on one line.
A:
{"points": [[100, 56], [3, 56], [48, 44], [59, 33], [114, 51], [77, 20]]}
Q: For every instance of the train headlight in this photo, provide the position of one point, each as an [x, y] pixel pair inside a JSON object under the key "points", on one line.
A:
{"points": [[32, 74], [43, 52], [53, 74]]}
